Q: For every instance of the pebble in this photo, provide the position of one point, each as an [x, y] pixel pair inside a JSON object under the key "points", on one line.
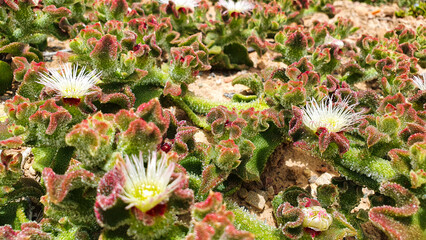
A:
{"points": [[270, 191], [307, 173], [325, 178], [213, 75], [228, 95], [261, 65], [243, 193], [256, 200], [263, 194], [219, 81], [32, 171], [200, 85], [313, 179]]}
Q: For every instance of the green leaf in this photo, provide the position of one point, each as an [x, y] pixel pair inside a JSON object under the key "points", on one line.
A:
{"points": [[265, 143], [237, 54], [6, 77]]}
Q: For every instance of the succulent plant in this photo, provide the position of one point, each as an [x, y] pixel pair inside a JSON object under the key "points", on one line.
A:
{"points": [[148, 199], [31, 22], [301, 216], [118, 159], [406, 206], [211, 220]]}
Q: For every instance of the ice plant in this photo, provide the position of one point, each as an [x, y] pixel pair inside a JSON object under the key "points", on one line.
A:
{"points": [[68, 83], [420, 82], [316, 218], [235, 8], [145, 188], [335, 117], [182, 4]]}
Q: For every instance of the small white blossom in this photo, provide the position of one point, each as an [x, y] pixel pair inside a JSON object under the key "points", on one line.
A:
{"points": [[236, 7], [187, 4], [334, 117], [420, 81], [144, 188], [316, 218], [68, 83]]}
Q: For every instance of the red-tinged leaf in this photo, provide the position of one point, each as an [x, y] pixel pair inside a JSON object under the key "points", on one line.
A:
{"points": [[58, 120], [374, 136], [184, 134], [324, 139], [140, 136], [172, 89], [212, 221], [415, 138], [386, 217], [153, 112], [123, 118], [57, 12], [284, 213], [229, 155], [58, 186], [296, 122], [392, 100], [211, 177], [109, 190], [12, 142]]}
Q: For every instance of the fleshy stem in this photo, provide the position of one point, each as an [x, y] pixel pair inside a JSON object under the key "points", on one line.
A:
{"points": [[192, 105], [247, 222], [203, 106], [192, 116]]}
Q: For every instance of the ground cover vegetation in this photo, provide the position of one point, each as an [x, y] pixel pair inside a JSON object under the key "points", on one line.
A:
{"points": [[114, 160]]}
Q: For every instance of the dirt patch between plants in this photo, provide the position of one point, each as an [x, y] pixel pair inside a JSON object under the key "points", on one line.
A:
{"points": [[287, 166]]}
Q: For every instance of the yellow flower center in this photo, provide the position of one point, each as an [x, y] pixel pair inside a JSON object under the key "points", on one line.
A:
{"points": [[332, 123], [145, 191]]}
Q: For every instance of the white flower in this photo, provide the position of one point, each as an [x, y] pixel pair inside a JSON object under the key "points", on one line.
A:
{"points": [[144, 188], [237, 7], [334, 117], [187, 4], [68, 83], [420, 83], [316, 218]]}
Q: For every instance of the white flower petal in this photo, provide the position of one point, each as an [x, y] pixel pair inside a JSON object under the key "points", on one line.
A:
{"points": [[188, 4], [238, 7], [67, 83], [334, 117], [420, 81], [145, 188]]}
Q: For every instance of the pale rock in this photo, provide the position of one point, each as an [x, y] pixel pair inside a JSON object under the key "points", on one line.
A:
{"points": [[307, 173], [313, 178], [325, 178], [256, 200], [263, 193], [243, 193], [32, 171], [270, 191]]}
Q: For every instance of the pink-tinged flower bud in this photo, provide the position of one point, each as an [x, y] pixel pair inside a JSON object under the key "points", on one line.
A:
{"points": [[316, 218]]}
